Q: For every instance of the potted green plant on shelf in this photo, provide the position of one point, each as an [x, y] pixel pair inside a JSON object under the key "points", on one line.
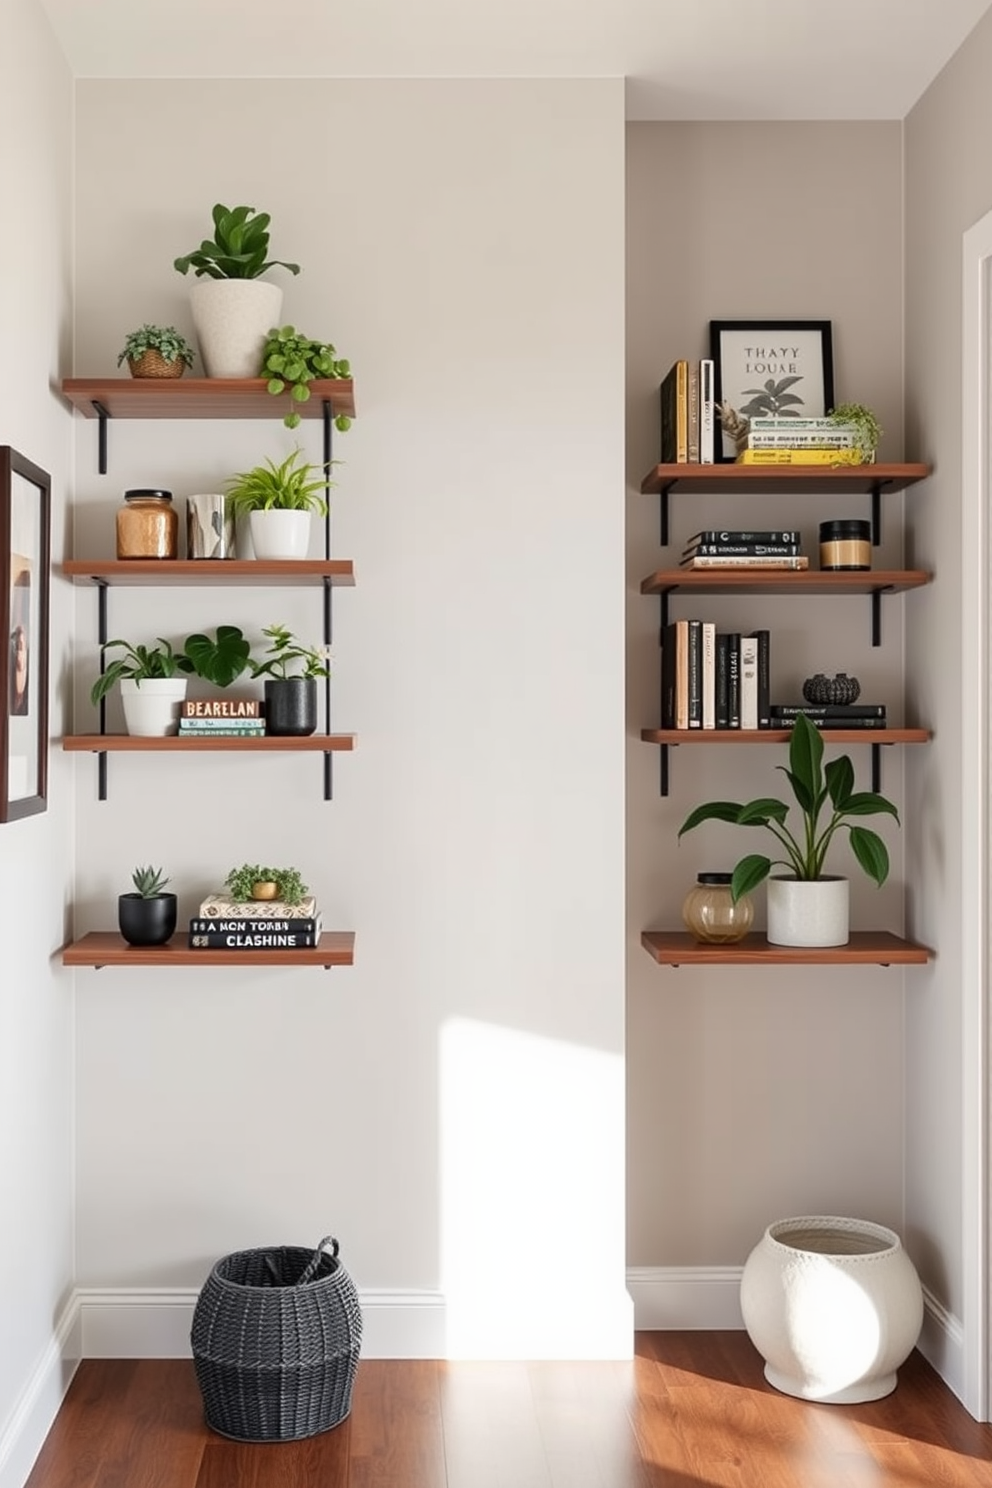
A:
{"points": [[292, 360], [279, 501], [868, 430], [257, 881], [806, 906], [156, 351], [147, 914], [290, 670], [221, 659], [152, 682], [233, 306]]}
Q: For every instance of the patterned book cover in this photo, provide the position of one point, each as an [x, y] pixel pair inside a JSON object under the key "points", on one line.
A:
{"points": [[221, 906]]}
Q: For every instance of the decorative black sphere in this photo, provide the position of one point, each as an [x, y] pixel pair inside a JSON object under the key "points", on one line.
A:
{"points": [[838, 689]]}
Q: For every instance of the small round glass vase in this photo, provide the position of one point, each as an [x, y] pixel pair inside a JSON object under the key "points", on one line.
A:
{"points": [[710, 914]]}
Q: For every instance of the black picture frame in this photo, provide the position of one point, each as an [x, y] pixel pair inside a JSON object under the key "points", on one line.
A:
{"points": [[25, 540], [759, 364]]}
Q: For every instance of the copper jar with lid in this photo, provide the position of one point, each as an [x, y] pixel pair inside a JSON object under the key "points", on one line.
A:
{"points": [[147, 525]]}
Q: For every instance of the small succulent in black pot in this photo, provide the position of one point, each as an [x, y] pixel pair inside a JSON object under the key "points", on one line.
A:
{"points": [[147, 914]]}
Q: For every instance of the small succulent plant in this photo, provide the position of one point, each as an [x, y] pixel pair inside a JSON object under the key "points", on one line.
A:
{"points": [[149, 882]]}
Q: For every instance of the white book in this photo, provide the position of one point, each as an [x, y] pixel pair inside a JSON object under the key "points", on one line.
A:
{"points": [[776, 421], [825, 439], [749, 682], [707, 412], [709, 674]]}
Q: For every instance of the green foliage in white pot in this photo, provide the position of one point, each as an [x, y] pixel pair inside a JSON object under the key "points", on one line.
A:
{"points": [[814, 788], [138, 664], [238, 249], [293, 485]]}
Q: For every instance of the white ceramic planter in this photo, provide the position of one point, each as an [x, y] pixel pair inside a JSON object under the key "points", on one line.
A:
{"points": [[232, 319], [833, 1306], [808, 912], [280, 534], [152, 707]]}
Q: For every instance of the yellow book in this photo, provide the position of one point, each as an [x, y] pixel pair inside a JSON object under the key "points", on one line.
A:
{"points": [[816, 456]]}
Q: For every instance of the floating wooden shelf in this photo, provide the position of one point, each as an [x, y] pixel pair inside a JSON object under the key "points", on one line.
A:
{"points": [[865, 948], [107, 948], [799, 480], [782, 736], [172, 744], [201, 398], [778, 581], [220, 572]]}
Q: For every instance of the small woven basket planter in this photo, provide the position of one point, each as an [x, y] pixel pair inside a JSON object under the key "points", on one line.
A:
{"points": [[152, 363], [276, 1337]]}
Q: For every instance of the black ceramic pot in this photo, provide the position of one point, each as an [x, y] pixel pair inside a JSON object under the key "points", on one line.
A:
{"points": [[291, 706], [147, 922]]}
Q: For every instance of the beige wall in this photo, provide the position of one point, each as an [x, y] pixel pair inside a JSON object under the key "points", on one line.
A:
{"points": [[462, 244], [948, 189], [36, 1076], [753, 1094]]}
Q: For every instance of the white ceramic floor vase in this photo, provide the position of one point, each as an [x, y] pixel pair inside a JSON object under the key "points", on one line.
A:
{"points": [[833, 1306], [280, 534], [152, 707], [808, 912], [232, 319]]}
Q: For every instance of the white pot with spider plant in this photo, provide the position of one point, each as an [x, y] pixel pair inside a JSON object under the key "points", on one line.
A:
{"points": [[279, 502], [806, 906], [233, 307], [152, 683], [290, 670]]}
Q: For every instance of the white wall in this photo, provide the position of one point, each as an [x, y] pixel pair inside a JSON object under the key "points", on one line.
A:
{"points": [[754, 1094], [452, 1108], [36, 1075], [949, 127]]}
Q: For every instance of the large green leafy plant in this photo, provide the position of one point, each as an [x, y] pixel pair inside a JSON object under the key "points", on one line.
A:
{"points": [[292, 360], [287, 657], [238, 249], [826, 799], [138, 664], [294, 485]]}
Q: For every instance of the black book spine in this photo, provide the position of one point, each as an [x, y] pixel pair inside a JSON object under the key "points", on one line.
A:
{"points": [[742, 550], [217, 940], [764, 679], [829, 710], [237, 925], [722, 681], [713, 535], [695, 674], [734, 680], [668, 652]]}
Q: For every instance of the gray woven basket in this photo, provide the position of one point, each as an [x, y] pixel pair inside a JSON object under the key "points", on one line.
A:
{"points": [[276, 1337]]}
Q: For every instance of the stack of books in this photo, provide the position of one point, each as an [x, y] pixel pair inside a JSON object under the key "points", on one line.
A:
{"points": [[255, 924], [830, 715], [714, 680], [689, 418], [798, 441], [744, 549], [224, 717]]}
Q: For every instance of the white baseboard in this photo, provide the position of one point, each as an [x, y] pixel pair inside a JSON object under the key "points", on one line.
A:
{"points": [[942, 1344], [700, 1297], [23, 1434]]}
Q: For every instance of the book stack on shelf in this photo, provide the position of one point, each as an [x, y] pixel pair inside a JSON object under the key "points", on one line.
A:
{"points": [[689, 416], [255, 924], [744, 549], [830, 715], [221, 717], [712, 679], [798, 441]]}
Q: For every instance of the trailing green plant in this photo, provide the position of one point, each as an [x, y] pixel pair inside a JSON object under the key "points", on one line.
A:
{"points": [[138, 664], [149, 882], [166, 340], [293, 360], [287, 657], [221, 660], [238, 249], [290, 486], [869, 430], [813, 787], [240, 882]]}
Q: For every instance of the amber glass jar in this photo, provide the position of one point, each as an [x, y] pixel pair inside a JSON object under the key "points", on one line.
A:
{"points": [[845, 544], [710, 913], [147, 525]]}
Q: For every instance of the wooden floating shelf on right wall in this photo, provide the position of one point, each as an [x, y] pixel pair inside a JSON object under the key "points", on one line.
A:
{"points": [[865, 948]]}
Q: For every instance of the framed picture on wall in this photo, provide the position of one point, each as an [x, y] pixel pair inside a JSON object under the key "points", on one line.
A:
{"points": [[25, 516], [772, 368]]}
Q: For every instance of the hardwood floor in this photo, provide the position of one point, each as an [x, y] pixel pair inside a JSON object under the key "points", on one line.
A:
{"points": [[691, 1411]]}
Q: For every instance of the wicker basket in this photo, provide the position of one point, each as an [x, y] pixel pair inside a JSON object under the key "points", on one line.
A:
{"points": [[276, 1337], [152, 363]]}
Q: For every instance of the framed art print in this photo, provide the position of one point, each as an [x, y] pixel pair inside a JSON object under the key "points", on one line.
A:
{"points": [[777, 368], [25, 514]]}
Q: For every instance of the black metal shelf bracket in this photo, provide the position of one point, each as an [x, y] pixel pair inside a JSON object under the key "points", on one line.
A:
{"points": [[101, 759], [328, 444], [101, 436]]}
